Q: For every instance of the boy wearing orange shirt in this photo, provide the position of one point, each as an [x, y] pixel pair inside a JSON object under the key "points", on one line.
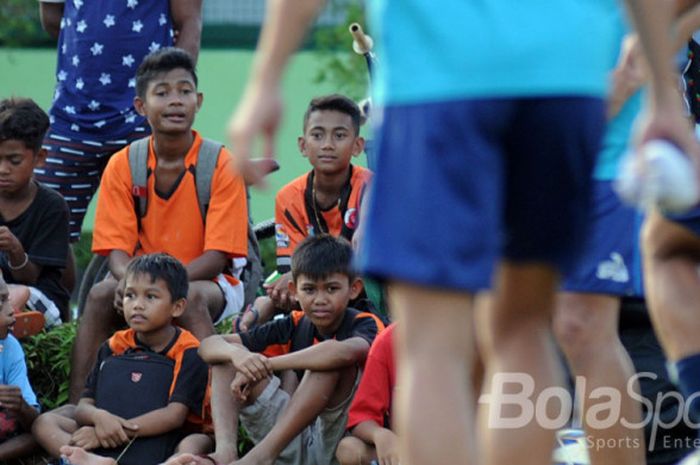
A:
{"points": [[166, 89]]}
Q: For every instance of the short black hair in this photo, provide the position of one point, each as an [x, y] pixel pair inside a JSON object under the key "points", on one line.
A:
{"points": [[162, 61], [165, 267], [335, 102], [22, 119], [317, 257]]}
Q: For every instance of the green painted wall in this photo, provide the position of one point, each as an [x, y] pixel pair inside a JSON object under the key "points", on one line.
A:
{"points": [[222, 74]]}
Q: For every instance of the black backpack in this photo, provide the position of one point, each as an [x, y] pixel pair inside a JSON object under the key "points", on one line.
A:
{"points": [[203, 172]]}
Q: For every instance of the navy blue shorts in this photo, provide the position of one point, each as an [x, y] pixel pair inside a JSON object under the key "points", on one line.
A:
{"points": [[460, 185], [610, 262], [74, 166]]}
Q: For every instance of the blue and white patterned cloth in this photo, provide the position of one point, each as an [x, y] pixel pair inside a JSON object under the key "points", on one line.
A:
{"points": [[100, 46]]}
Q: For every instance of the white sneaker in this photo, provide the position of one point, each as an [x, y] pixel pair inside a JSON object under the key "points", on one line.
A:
{"points": [[692, 459], [571, 448]]}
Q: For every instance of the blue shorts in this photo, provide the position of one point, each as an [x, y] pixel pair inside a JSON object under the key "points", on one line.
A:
{"points": [[610, 261], [74, 166], [689, 220], [460, 185]]}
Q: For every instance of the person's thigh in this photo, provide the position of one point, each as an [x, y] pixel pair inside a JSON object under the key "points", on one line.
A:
{"points": [[551, 147]]}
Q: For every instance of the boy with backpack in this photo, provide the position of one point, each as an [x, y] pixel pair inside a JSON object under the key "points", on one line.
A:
{"points": [[327, 199], [320, 348], [147, 379], [170, 220]]}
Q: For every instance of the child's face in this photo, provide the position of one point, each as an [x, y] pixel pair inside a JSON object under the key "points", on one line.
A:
{"points": [[17, 163], [148, 305], [7, 315], [170, 103], [324, 301], [329, 141]]}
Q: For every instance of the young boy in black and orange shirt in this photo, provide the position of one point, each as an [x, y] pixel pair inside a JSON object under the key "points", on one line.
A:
{"points": [[327, 199], [147, 379], [321, 347]]}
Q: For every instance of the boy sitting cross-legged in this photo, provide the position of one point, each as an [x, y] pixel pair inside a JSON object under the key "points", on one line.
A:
{"points": [[321, 347], [146, 381], [171, 220]]}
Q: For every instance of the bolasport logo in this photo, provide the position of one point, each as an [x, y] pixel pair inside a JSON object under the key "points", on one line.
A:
{"points": [[512, 404]]}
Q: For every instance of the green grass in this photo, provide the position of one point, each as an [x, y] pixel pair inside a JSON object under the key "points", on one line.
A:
{"points": [[222, 73]]}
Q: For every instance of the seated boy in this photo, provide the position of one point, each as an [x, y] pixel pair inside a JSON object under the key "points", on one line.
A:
{"points": [[18, 405], [166, 88], [371, 439], [327, 199], [321, 348], [33, 219], [146, 379]]}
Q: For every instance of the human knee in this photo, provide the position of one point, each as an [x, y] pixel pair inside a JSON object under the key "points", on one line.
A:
{"points": [[582, 330], [348, 452], [100, 299]]}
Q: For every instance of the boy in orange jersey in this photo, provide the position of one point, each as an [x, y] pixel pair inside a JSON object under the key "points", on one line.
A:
{"points": [[327, 199], [166, 89]]}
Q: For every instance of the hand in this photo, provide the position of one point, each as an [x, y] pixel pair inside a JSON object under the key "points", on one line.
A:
{"points": [[11, 398], [255, 367], [279, 292], [387, 445], [119, 296], [111, 430], [259, 113], [9, 242], [240, 387], [665, 119], [628, 76], [85, 437]]}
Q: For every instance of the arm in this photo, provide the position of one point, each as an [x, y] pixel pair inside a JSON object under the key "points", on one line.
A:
{"points": [[21, 268], [187, 22], [260, 109], [111, 430], [118, 261], [160, 421], [687, 23], [665, 118], [327, 355], [206, 266], [384, 440], [51, 15], [11, 399], [229, 349]]}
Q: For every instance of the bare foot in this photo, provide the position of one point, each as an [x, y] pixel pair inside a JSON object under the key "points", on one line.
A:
{"points": [[252, 459], [79, 456], [188, 459], [224, 455]]}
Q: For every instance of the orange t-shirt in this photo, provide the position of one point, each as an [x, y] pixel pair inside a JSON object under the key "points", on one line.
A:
{"points": [[174, 224], [292, 221]]}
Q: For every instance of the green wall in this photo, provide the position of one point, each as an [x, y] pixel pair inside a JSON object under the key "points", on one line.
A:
{"points": [[222, 74]]}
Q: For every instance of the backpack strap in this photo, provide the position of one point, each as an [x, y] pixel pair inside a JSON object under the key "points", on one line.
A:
{"points": [[204, 172], [138, 165]]}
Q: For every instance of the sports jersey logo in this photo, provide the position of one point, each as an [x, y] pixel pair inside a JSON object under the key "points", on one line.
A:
{"points": [[613, 269], [136, 376], [351, 218], [281, 237]]}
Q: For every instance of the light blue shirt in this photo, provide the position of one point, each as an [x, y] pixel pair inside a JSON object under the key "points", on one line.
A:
{"points": [[13, 369], [433, 51]]}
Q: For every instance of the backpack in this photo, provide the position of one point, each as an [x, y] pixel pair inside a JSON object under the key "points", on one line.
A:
{"points": [[252, 273]]}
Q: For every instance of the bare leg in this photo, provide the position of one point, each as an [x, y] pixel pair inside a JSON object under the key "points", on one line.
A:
{"points": [[17, 447], [205, 301], [355, 451], [195, 444], [586, 329], [434, 415], [518, 340], [672, 283], [225, 409], [54, 429], [317, 391], [97, 323], [19, 295]]}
